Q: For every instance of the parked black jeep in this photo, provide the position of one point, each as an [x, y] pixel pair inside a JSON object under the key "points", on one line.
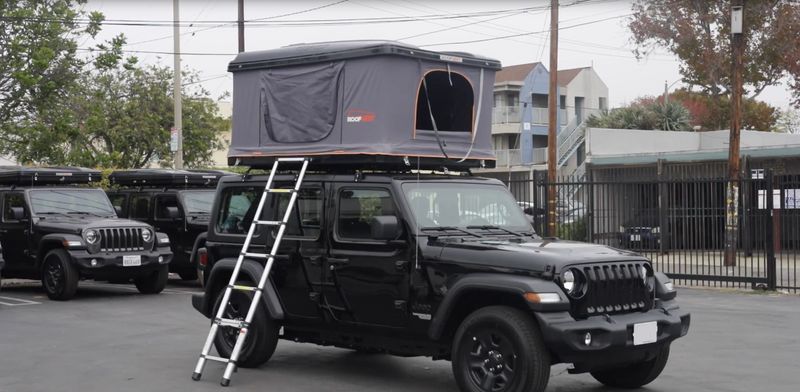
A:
{"points": [[175, 202], [439, 266], [57, 231]]}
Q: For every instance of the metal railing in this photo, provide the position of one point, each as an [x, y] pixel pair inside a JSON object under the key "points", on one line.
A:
{"points": [[505, 114], [679, 224], [507, 158]]}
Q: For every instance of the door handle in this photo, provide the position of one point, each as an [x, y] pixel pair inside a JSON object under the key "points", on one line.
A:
{"points": [[333, 261]]}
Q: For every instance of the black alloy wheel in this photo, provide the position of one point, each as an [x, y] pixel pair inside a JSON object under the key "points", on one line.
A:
{"points": [[500, 349], [59, 276]]}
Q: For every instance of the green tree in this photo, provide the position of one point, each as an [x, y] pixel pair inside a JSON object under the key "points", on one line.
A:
{"points": [[120, 117], [698, 32], [38, 54]]}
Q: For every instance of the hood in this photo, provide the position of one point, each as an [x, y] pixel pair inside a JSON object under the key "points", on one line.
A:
{"points": [[530, 254], [76, 224]]}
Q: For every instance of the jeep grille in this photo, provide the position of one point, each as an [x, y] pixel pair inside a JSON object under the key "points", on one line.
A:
{"points": [[613, 288], [121, 240]]}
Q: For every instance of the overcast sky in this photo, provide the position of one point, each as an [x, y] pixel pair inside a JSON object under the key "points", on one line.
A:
{"points": [[600, 38]]}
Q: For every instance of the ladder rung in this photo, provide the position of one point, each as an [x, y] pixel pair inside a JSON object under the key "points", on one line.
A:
{"points": [[230, 323], [257, 255], [217, 359], [291, 159], [280, 190], [243, 288], [269, 223]]}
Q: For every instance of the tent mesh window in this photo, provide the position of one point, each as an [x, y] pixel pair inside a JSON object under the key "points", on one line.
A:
{"points": [[448, 97]]}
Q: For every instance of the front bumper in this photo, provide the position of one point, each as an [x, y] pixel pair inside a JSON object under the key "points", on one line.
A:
{"points": [[111, 264], [612, 335]]}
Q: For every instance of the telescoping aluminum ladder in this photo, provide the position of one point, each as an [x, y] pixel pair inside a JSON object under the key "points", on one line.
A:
{"points": [[243, 325]]}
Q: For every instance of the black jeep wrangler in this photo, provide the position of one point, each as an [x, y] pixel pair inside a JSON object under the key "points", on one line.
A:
{"points": [[439, 266], [175, 202], [55, 230]]}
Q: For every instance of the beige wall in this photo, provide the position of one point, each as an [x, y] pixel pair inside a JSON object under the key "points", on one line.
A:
{"points": [[220, 157]]}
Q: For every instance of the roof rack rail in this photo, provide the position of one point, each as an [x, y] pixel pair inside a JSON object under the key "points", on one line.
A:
{"points": [[167, 177], [52, 175]]}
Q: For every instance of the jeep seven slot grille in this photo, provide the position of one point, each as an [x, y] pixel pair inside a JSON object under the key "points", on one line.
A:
{"points": [[121, 239], [613, 288]]}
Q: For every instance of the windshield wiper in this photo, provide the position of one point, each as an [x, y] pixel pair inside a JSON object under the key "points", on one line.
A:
{"points": [[449, 228], [83, 213], [490, 227]]}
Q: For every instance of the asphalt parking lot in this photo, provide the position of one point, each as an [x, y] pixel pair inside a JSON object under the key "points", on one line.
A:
{"points": [[112, 338]]}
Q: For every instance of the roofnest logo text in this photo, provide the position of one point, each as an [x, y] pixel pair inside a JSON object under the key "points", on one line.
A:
{"points": [[359, 116]]}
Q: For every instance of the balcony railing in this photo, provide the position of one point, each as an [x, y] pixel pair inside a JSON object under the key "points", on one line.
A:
{"points": [[539, 155], [505, 115], [507, 158]]}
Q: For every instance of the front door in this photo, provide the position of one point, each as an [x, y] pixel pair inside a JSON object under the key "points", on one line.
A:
{"points": [[15, 236], [168, 219], [367, 277]]}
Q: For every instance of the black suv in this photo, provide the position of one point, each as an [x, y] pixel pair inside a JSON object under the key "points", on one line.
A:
{"points": [[53, 230], [439, 266], [175, 202]]}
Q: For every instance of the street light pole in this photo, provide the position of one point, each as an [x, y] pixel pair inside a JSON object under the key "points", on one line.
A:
{"points": [[240, 24], [176, 87]]}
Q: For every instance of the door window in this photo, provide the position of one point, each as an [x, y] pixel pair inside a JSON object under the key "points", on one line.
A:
{"points": [[306, 217], [166, 207], [357, 210], [12, 202], [140, 207], [118, 201], [236, 210]]}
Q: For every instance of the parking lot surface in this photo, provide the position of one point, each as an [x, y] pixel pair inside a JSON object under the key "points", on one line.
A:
{"points": [[112, 338]]}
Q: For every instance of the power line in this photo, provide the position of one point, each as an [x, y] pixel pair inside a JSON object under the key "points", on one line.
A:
{"points": [[523, 34]]}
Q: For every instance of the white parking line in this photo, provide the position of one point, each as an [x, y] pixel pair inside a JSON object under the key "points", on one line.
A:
{"points": [[17, 302]]}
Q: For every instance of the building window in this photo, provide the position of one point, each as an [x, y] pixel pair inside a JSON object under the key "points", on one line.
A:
{"points": [[603, 103], [445, 99]]}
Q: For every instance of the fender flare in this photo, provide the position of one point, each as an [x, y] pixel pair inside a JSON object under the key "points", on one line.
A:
{"points": [[198, 243], [251, 269], [513, 284], [55, 238]]}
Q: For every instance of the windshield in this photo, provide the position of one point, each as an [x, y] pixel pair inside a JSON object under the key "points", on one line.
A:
{"points": [[198, 202], [464, 206], [64, 201]]}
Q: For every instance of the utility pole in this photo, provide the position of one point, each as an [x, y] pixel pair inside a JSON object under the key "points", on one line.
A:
{"points": [[177, 130], [732, 195], [240, 24], [552, 122]]}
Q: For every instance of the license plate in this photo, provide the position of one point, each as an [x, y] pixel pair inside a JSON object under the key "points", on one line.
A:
{"points": [[636, 237], [645, 333], [131, 261]]}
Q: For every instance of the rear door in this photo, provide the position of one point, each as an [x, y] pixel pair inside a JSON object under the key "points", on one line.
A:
{"points": [[168, 218], [15, 233]]}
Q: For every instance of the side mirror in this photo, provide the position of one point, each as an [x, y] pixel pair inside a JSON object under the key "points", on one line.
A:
{"points": [[118, 210], [173, 213], [384, 227], [18, 213]]}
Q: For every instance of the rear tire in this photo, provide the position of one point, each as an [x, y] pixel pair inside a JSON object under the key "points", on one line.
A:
{"points": [[636, 375], [153, 283], [262, 336], [59, 276], [500, 349]]}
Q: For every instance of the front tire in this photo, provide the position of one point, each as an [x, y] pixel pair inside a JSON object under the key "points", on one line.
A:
{"points": [[500, 349], [154, 282], [59, 276], [262, 336], [636, 375]]}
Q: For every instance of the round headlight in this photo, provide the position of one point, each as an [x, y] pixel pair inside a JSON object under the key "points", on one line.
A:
{"points": [[568, 280], [147, 235], [92, 236]]}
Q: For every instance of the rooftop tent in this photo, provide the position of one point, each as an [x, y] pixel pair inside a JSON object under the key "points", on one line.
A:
{"points": [[362, 102]]}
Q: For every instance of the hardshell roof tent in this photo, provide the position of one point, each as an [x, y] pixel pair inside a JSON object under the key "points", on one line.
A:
{"points": [[167, 177], [38, 176], [362, 101]]}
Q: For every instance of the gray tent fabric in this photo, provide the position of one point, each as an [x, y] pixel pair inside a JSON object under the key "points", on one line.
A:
{"points": [[289, 95], [360, 99]]}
